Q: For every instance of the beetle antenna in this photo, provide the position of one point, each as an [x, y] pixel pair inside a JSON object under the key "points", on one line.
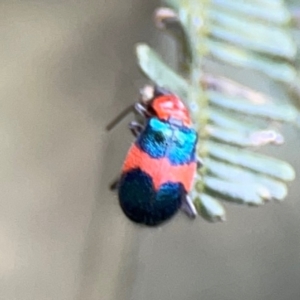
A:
{"points": [[120, 117]]}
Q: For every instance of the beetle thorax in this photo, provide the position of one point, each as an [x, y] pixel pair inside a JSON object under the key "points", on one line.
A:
{"points": [[170, 107]]}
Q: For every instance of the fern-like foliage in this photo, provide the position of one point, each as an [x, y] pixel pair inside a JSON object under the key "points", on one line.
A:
{"points": [[230, 118]]}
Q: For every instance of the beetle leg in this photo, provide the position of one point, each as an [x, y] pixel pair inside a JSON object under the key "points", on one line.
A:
{"points": [[141, 109], [136, 128], [188, 207], [114, 185], [120, 117], [199, 163]]}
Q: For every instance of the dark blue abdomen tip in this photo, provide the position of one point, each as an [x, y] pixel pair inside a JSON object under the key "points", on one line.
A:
{"points": [[142, 204]]}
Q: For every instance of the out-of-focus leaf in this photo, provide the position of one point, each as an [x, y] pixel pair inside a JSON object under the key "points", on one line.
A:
{"points": [[231, 33], [226, 119], [261, 37], [232, 88], [277, 14], [284, 113], [240, 138], [281, 71], [243, 193], [251, 160], [210, 208], [276, 189], [154, 68]]}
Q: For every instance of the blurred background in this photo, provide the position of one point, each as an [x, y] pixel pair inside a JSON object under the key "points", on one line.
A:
{"points": [[67, 68]]}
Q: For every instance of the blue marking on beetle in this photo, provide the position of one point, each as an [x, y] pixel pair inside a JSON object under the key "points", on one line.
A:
{"points": [[142, 204], [155, 139], [162, 139], [183, 148]]}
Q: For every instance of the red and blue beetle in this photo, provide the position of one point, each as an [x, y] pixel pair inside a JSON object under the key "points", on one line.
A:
{"points": [[160, 166]]}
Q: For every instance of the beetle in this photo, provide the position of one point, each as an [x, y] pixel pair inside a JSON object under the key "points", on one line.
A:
{"points": [[160, 166]]}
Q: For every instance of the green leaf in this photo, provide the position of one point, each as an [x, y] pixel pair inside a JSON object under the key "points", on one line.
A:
{"points": [[242, 138], [281, 71], [228, 120], [284, 112], [210, 208], [156, 70], [231, 118], [251, 160], [262, 38], [263, 11], [276, 189], [243, 193]]}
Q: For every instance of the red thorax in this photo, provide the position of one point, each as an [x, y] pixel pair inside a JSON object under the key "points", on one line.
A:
{"points": [[168, 107]]}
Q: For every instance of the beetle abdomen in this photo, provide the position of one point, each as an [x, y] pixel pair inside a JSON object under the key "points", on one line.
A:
{"points": [[158, 172], [142, 203]]}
